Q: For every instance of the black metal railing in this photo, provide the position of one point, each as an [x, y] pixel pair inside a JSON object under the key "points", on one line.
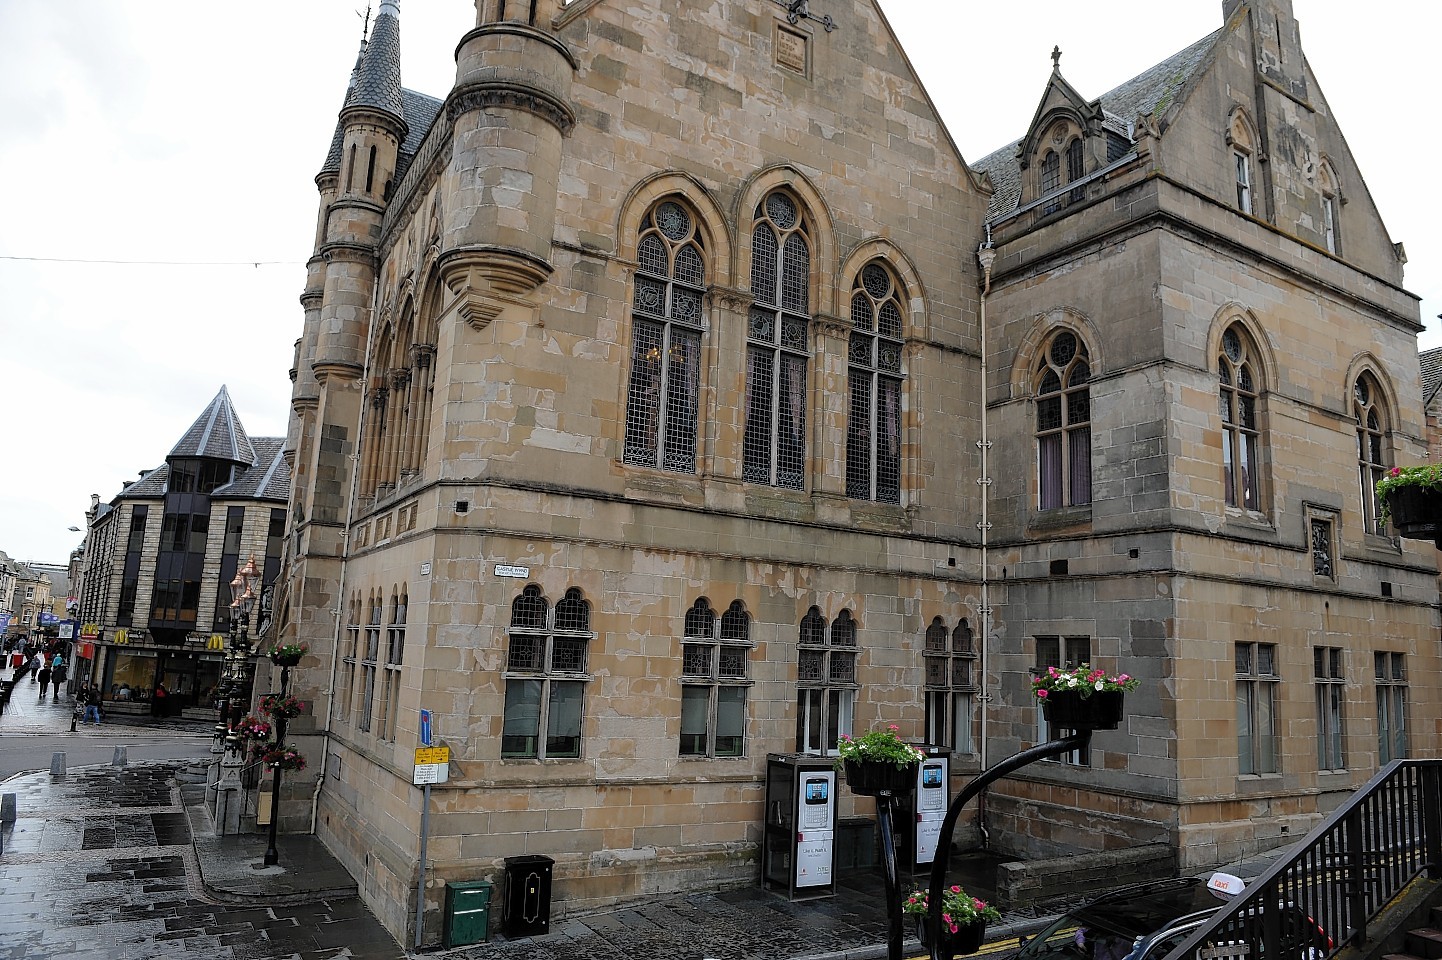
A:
{"points": [[1340, 876]]}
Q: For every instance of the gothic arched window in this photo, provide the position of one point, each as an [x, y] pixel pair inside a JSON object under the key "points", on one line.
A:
{"points": [[1063, 424], [1239, 392], [873, 427]]}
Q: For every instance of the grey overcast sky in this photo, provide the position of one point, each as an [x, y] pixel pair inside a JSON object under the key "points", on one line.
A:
{"points": [[159, 203]]}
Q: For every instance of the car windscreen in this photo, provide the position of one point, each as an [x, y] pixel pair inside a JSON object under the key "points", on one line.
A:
{"points": [[1106, 928]]}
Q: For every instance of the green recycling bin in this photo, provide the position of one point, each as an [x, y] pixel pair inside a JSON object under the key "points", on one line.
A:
{"points": [[468, 910]]}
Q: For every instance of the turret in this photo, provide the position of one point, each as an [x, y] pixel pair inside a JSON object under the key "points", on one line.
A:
{"points": [[511, 110]]}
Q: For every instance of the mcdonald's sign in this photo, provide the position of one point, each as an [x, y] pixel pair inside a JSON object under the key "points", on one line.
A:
{"points": [[122, 636], [216, 641]]}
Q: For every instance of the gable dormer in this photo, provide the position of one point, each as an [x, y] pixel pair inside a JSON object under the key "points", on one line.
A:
{"points": [[1065, 142]]}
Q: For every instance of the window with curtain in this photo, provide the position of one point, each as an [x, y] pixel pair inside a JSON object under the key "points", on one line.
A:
{"points": [[873, 427], [341, 702], [826, 677], [1063, 423], [715, 674], [1331, 692], [666, 319], [1242, 165], [1257, 684], [1371, 415], [1239, 396], [369, 657], [391, 676], [778, 345], [546, 676], [951, 668]]}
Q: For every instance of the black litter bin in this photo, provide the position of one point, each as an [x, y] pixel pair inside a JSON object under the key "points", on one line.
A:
{"points": [[528, 895], [468, 909]]}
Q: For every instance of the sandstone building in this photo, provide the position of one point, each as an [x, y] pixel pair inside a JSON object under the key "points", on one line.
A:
{"points": [[642, 395]]}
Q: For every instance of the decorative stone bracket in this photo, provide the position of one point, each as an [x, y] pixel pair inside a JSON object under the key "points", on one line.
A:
{"points": [[485, 278]]}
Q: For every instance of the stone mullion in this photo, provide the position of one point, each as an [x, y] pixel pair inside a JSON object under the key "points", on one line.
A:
{"points": [[832, 358], [371, 462], [396, 442], [422, 378]]}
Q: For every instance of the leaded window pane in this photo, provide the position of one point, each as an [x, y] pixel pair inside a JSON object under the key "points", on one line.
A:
{"points": [[809, 665], [813, 627], [696, 660], [732, 665], [735, 623], [568, 655], [843, 667], [763, 265], [527, 652], [700, 621]]}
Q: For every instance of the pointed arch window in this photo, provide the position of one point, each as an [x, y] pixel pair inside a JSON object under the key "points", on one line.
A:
{"points": [[1239, 397], [873, 427], [778, 345], [1370, 412], [951, 685], [1327, 180], [546, 676], [1063, 424], [666, 312], [826, 679], [715, 673]]}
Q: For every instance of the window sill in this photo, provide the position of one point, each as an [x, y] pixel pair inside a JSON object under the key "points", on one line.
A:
{"points": [[1249, 520], [1059, 517]]}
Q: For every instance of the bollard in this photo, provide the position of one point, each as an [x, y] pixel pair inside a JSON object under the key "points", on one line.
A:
{"points": [[119, 759], [7, 808], [57, 765]]}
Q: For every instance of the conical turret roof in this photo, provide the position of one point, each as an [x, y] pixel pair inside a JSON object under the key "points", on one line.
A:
{"points": [[378, 82], [216, 434]]}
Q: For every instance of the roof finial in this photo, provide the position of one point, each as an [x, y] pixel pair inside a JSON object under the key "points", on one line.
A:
{"points": [[366, 27], [1056, 58]]}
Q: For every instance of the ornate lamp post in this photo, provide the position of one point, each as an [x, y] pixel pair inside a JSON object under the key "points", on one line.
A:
{"points": [[236, 669]]}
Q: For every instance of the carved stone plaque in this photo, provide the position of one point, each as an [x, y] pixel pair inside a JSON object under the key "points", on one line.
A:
{"points": [[790, 49]]}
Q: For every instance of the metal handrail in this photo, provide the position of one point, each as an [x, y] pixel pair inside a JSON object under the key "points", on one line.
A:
{"points": [[1339, 877]]}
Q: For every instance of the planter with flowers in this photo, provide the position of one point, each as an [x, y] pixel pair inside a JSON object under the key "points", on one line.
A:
{"points": [[963, 919], [251, 729], [1411, 500], [282, 758], [287, 654], [1082, 698], [878, 762], [281, 706]]}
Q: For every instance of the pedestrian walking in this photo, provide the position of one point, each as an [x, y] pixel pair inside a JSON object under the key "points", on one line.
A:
{"points": [[159, 705], [43, 675], [92, 704], [59, 673]]}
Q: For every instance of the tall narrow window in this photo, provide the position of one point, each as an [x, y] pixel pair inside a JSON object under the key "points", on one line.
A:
{"points": [[778, 346], [391, 677], [1331, 691], [1329, 223], [1257, 682], [826, 675], [1062, 653], [666, 342], [546, 676], [1074, 163], [1371, 415], [715, 672], [1242, 163], [873, 428], [1390, 671], [1051, 179], [1063, 424], [369, 656], [1239, 393], [341, 704], [950, 686]]}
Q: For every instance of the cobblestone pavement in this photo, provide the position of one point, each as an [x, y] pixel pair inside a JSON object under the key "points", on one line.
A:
{"points": [[101, 865]]}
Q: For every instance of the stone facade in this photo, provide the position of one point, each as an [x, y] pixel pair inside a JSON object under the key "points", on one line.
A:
{"points": [[490, 521]]}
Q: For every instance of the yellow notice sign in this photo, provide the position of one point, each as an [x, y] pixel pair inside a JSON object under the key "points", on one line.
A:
{"points": [[433, 755]]}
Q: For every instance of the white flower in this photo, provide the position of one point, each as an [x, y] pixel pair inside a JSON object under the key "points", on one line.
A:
{"points": [[1099, 685]]}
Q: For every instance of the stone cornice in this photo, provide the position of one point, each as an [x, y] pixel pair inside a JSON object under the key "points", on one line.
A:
{"points": [[340, 369], [483, 277], [732, 298], [366, 113], [346, 252], [488, 94], [517, 29]]}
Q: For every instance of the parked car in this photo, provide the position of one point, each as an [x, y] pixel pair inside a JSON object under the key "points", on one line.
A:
{"points": [[1146, 921]]}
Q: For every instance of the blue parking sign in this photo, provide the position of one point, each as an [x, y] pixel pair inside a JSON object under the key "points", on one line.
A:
{"points": [[425, 728]]}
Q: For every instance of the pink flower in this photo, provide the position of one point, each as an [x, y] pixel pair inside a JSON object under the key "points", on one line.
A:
{"points": [[955, 888], [1041, 694]]}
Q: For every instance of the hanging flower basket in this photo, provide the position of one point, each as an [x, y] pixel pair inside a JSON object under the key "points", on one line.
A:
{"points": [[287, 654], [963, 920], [1415, 512], [870, 778], [282, 758], [281, 706], [878, 762], [251, 729], [1069, 709], [968, 938]]}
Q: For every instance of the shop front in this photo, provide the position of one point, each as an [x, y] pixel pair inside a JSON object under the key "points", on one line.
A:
{"points": [[134, 674]]}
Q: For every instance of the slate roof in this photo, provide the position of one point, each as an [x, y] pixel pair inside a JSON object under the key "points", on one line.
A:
{"points": [[1149, 92], [268, 479], [1431, 363], [216, 434]]}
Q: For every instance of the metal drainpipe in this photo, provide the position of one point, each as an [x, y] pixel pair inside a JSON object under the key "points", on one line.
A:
{"points": [[986, 256], [339, 612]]}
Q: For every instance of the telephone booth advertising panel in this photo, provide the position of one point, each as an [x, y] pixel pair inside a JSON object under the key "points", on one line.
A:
{"points": [[799, 853], [922, 809]]}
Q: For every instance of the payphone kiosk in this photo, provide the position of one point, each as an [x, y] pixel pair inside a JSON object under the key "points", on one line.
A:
{"points": [[799, 849], [919, 814]]}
